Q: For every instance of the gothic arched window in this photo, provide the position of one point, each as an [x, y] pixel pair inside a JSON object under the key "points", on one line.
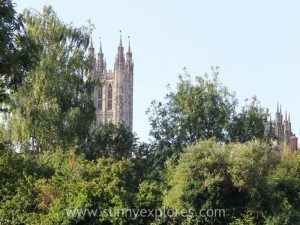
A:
{"points": [[109, 102], [100, 98]]}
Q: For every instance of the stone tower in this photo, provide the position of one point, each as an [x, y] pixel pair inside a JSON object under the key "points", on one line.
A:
{"points": [[113, 99], [283, 128]]}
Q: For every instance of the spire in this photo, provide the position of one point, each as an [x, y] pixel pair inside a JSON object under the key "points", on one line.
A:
{"points": [[129, 63], [277, 107], [285, 116], [120, 45], [280, 110], [100, 49], [100, 63], [91, 43], [91, 48], [119, 62], [129, 50], [290, 125]]}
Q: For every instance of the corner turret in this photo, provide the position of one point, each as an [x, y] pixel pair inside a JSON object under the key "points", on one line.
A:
{"points": [[100, 59], [119, 62]]}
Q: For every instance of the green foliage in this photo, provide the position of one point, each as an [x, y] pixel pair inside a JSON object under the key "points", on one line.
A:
{"points": [[4, 137], [286, 183], [109, 140], [252, 122], [231, 177], [202, 110], [243, 220], [45, 188], [194, 111], [18, 52], [150, 195], [53, 106], [18, 174]]}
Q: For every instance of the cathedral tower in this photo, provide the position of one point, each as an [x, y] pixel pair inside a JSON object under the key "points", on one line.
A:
{"points": [[283, 127], [113, 99]]}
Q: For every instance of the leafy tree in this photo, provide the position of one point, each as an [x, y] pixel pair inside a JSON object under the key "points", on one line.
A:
{"points": [[202, 110], [194, 111], [109, 140], [18, 174], [53, 188], [53, 106], [286, 183], [252, 122], [18, 52], [232, 177]]}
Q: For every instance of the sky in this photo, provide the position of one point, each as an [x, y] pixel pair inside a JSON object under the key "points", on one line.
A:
{"points": [[255, 43]]}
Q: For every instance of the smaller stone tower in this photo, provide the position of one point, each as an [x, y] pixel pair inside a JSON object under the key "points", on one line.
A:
{"points": [[283, 128]]}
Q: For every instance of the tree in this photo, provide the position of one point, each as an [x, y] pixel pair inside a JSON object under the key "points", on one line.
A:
{"points": [[110, 140], [252, 122], [202, 110], [232, 177], [18, 52], [53, 106], [18, 174], [194, 111], [286, 183], [46, 189]]}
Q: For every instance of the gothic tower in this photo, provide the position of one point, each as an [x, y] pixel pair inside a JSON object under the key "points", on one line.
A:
{"points": [[113, 98], [283, 127]]}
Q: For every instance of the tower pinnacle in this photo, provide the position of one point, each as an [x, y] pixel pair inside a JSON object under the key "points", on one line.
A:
{"points": [[91, 43], [100, 49], [280, 110], [91, 48], [129, 50], [285, 116], [120, 45]]}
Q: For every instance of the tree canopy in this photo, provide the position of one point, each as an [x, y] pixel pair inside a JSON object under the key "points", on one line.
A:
{"points": [[241, 179], [201, 110], [18, 52], [193, 111], [53, 106]]}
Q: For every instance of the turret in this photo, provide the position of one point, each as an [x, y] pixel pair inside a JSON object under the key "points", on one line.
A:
{"points": [[287, 129], [279, 125], [91, 70], [286, 122], [119, 62], [100, 59], [129, 63], [280, 110], [285, 117], [289, 121], [91, 50], [129, 53]]}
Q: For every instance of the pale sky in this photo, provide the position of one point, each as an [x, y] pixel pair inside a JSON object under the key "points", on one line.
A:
{"points": [[255, 43]]}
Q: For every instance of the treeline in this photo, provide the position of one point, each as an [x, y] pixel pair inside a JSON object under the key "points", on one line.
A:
{"points": [[207, 162]]}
